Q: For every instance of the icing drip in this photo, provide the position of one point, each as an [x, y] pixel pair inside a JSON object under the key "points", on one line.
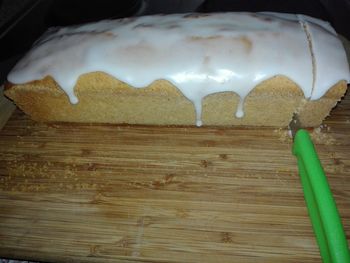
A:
{"points": [[240, 109], [201, 54], [198, 109]]}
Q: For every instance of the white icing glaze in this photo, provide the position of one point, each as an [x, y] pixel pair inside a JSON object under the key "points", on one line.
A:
{"points": [[329, 56], [199, 54]]}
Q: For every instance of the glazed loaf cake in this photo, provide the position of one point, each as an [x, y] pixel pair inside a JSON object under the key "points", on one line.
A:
{"points": [[227, 69]]}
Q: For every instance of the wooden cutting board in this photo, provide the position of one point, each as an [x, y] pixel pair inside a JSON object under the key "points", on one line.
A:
{"points": [[109, 193]]}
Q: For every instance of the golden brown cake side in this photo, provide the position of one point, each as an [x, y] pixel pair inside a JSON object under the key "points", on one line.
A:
{"points": [[104, 99]]}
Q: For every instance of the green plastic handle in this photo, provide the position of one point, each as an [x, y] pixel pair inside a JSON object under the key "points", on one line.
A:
{"points": [[322, 209]]}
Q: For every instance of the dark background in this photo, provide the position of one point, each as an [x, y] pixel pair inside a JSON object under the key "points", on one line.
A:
{"points": [[23, 21]]}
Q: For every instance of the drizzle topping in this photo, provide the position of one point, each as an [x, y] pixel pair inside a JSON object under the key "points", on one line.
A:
{"points": [[200, 54]]}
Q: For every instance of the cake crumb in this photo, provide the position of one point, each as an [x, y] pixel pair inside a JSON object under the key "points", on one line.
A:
{"points": [[284, 135], [319, 135]]}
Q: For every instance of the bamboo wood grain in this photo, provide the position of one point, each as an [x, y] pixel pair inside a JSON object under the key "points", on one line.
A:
{"points": [[109, 193]]}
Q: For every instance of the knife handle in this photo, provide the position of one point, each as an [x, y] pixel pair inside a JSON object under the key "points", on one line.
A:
{"points": [[319, 200]]}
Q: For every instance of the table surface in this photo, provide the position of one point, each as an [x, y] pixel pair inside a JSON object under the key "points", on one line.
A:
{"points": [[101, 193]]}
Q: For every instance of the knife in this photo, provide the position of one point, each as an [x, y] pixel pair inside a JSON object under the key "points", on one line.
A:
{"points": [[319, 200]]}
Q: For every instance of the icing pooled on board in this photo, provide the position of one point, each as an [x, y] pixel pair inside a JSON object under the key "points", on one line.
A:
{"points": [[200, 54]]}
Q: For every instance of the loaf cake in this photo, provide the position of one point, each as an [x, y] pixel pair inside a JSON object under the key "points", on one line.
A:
{"points": [[224, 69]]}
